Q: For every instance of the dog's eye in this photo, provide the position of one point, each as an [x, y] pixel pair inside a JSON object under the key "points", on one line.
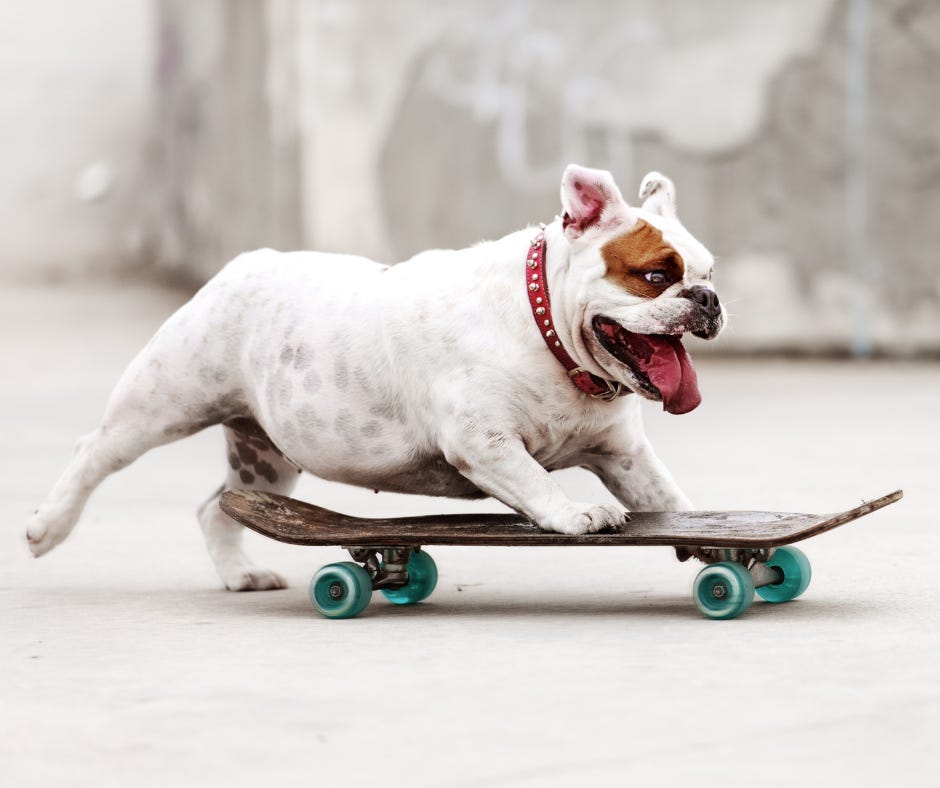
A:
{"points": [[656, 277]]}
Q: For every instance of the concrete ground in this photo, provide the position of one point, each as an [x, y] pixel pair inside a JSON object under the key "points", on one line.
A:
{"points": [[123, 662]]}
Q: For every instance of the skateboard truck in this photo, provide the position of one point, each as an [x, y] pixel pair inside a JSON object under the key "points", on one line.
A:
{"points": [[753, 559], [389, 571]]}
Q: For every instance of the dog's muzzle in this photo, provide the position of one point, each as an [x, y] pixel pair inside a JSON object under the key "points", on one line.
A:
{"points": [[709, 311]]}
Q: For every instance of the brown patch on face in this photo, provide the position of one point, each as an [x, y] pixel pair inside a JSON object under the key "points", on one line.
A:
{"points": [[642, 251]]}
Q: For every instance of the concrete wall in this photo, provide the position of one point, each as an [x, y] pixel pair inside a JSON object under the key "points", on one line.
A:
{"points": [[74, 129], [413, 125], [226, 149], [175, 134]]}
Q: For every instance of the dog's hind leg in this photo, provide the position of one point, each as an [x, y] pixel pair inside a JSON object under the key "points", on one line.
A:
{"points": [[166, 393], [254, 463], [111, 447]]}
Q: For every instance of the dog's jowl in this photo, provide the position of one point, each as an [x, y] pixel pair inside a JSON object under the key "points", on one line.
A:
{"points": [[458, 373]]}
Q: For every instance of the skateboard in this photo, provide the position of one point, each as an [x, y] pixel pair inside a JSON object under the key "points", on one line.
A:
{"points": [[744, 552]]}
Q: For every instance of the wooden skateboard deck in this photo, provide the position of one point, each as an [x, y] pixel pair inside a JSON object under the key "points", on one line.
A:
{"points": [[296, 522]]}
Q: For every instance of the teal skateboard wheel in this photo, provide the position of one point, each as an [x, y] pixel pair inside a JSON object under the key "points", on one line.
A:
{"points": [[793, 566], [341, 590], [422, 578], [723, 590]]}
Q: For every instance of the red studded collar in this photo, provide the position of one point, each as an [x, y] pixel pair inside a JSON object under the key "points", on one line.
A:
{"points": [[537, 289]]}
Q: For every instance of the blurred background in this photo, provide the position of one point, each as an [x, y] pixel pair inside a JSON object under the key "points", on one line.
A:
{"points": [[152, 140]]}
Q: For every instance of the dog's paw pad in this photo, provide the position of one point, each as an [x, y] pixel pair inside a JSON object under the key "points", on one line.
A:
{"points": [[36, 541], [41, 539]]}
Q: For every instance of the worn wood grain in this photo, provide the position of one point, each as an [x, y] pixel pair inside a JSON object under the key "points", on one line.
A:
{"points": [[296, 522]]}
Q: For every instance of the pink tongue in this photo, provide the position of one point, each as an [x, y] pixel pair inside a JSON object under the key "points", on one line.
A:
{"points": [[670, 369]]}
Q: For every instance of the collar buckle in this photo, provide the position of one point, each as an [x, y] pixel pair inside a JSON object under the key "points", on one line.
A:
{"points": [[614, 390]]}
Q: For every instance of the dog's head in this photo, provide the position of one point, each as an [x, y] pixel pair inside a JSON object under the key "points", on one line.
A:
{"points": [[643, 282]]}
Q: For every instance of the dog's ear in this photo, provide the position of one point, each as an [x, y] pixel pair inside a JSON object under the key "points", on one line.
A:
{"points": [[591, 201], [658, 194]]}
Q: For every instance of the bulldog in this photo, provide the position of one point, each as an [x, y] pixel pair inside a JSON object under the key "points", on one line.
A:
{"points": [[456, 373]]}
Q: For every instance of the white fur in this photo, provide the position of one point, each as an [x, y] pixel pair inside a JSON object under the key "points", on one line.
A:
{"points": [[659, 194], [425, 377]]}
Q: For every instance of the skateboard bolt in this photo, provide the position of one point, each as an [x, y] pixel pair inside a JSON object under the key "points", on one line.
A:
{"points": [[337, 591], [720, 591]]}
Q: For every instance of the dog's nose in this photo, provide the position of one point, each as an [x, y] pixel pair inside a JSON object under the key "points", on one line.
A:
{"points": [[706, 298]]}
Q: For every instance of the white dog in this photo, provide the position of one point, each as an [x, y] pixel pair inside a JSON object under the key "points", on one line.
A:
{"points": [[456, 373]]}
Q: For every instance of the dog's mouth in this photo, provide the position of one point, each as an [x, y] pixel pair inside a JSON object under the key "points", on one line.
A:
{"points": [[658, 362]]}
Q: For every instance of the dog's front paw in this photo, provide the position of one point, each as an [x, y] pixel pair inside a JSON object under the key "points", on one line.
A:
{"points": [[586, 518]]}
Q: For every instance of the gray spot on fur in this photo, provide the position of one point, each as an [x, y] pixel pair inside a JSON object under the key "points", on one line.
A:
{"points": [[246, 454], [244, 435], [285, 390], [371, 429], [495, 439], [307, 419], [287, 355], [345, 427], [312, 381], [341, 373], [267, 471], [270, 389], [364, 382], [303, 357], [390, 410]]}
